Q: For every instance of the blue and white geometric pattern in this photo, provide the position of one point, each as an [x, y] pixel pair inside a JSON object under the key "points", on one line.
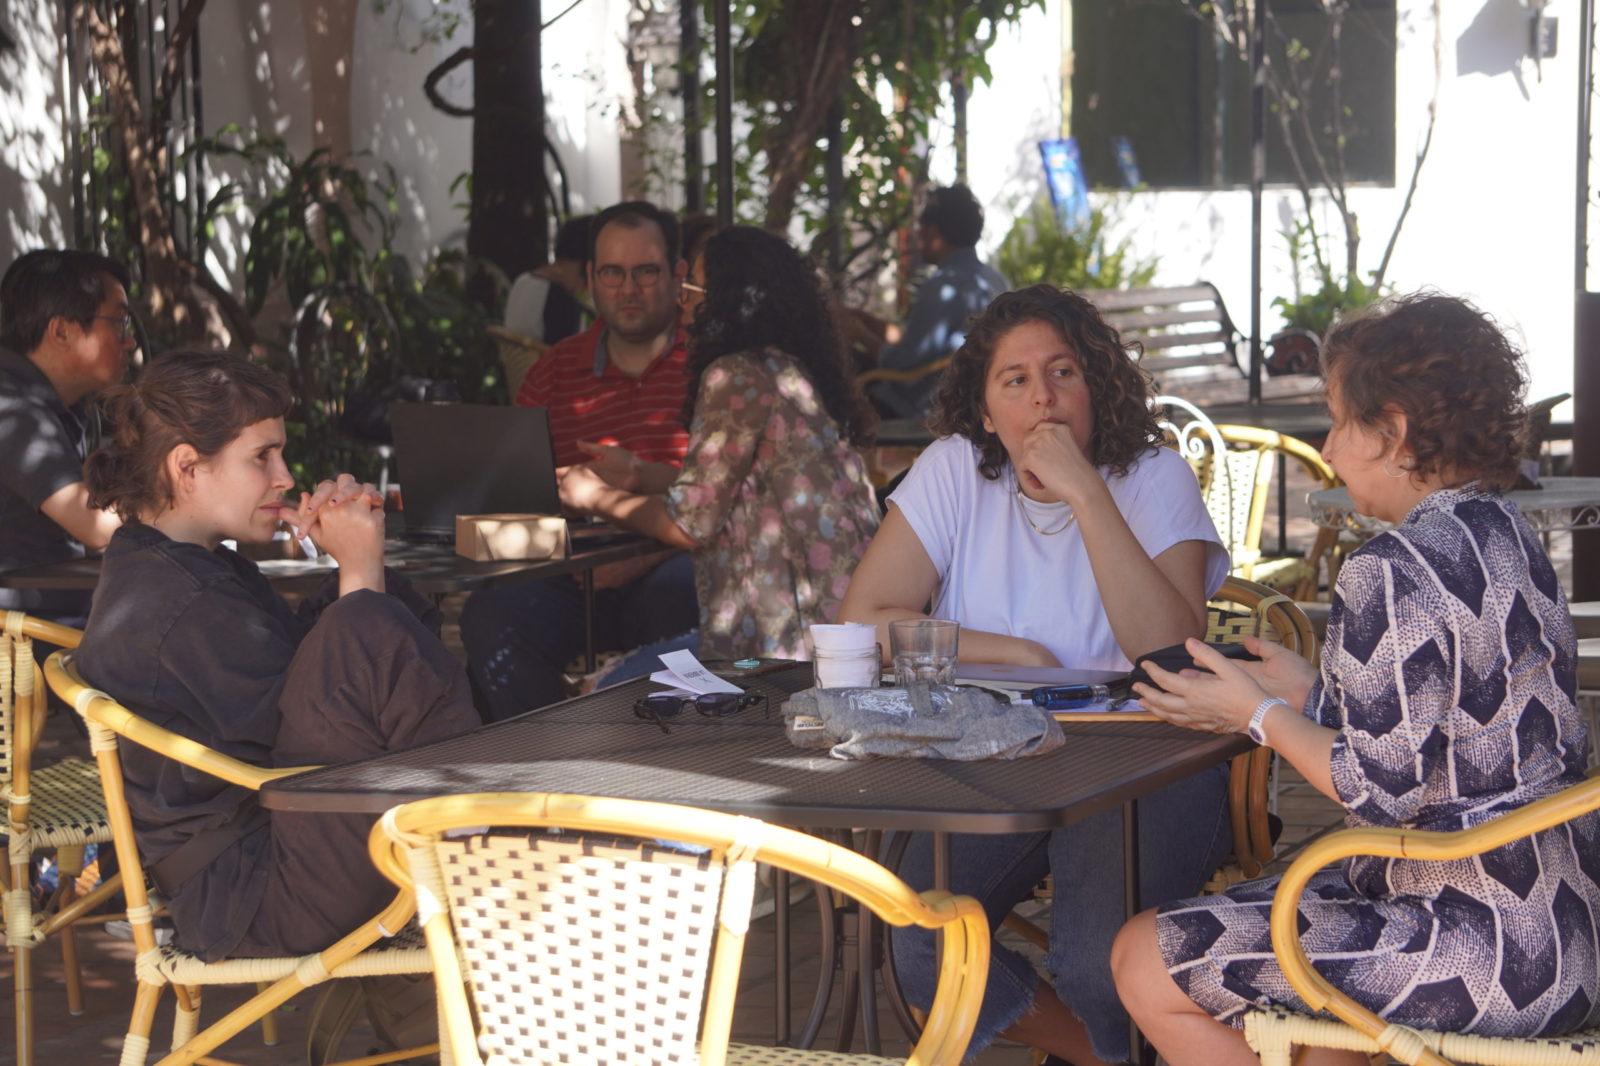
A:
{"points": [[1448, 673]]}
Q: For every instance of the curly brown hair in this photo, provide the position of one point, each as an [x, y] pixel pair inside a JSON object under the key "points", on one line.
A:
{"points": [[1125, 427], [1449, 368], [761, 294]]}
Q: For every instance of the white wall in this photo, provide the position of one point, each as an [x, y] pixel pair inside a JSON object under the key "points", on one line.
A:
{"points": [[1493, 217], [35, 204]]}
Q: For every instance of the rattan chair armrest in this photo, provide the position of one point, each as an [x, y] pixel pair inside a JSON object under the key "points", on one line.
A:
{"points": [[1316, 990], [22, 625]]}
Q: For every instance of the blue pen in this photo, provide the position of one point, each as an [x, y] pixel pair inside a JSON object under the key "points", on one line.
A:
{"points": [[1068, 697]]}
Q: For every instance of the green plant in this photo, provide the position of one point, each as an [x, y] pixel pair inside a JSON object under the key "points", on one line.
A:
{"points": [[1317, 302], [1041, 248], [362, 319]]}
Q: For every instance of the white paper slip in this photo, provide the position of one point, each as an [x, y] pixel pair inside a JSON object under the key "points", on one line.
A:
{"points": [[683, 670]]}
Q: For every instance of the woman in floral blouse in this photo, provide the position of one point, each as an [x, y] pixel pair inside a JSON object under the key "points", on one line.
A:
{"points": [[773, 496]]}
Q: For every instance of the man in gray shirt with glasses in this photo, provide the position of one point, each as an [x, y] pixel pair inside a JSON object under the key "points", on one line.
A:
{"points": [[66, 332]]}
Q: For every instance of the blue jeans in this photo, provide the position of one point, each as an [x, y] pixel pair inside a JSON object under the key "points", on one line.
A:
{"points": [[1183, 836], [642, 662], [519, 638]]}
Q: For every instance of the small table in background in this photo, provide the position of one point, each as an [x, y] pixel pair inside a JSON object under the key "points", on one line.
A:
{"points": [[1559, 503]]}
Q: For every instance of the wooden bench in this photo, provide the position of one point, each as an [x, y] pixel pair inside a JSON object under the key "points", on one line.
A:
{"points": [[1191, 345]]}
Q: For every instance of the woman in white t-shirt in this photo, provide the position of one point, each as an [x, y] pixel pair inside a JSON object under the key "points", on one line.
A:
{"points": [[1052, 526]]}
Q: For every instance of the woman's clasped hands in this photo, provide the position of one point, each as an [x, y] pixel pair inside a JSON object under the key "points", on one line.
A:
{"points": [[345, 519], [1223, 700]]}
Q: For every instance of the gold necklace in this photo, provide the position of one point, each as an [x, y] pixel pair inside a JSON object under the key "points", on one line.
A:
{"points": [[1071, 518]]}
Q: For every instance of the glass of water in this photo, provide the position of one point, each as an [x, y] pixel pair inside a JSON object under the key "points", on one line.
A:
{"points": [[924, 649]]}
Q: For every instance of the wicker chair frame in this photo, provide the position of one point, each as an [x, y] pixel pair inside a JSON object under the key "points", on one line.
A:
{"points": [[58, 807], [1274, 1033], [604, 942]]}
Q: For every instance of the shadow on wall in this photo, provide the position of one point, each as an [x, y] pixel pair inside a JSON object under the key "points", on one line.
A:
{"points": [[1495, 43], [37, 210]]}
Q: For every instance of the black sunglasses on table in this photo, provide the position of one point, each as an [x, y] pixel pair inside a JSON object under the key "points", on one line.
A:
{"points": [[660, 706]]}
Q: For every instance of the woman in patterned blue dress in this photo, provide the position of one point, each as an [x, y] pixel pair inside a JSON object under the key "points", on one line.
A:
{"points": [[1445, 699]]}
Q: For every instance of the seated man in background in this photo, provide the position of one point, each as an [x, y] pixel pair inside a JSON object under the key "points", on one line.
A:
{"points": [[947, 233], [615, 393], [66, 332]]}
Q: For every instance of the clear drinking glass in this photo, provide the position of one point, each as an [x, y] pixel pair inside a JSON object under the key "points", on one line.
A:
{"points": [[924, 649]]}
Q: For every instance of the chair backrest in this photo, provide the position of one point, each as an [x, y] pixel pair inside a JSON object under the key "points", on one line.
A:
{"points": [[606, 941], [22, 694], [1227, 480], [107, 720], [1244, 608]]}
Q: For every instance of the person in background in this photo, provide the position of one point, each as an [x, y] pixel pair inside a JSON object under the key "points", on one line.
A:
{"points": [[1445, 700], [1049, 522], [773, 498], [616, 389], [546, 304], [962, 285], [66, 332]]}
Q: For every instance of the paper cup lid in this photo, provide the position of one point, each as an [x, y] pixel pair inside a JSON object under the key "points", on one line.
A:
{"points": [[844, 636]]}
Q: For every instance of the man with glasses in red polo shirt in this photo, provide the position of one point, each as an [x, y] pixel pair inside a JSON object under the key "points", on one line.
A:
{"points": [[66, 332], [615, 395]]}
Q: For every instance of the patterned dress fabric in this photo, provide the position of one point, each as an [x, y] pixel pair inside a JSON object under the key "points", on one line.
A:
{"points": [[779, 501], [1448, 674]]}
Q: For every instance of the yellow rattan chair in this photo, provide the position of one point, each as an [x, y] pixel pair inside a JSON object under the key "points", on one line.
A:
{"points": [[1274, 1033], [371, 950], [1235, 466], [600, 943], [57, 806]]}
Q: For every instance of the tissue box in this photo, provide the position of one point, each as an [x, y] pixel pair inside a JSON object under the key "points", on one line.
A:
{"points": [[496, 537]]}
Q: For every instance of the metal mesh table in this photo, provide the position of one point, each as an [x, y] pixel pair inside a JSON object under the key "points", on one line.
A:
{"points": [[744, 764]]}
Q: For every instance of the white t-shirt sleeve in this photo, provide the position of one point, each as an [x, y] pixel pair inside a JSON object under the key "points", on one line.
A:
{"points": [[930, 498], [1163, 506]]}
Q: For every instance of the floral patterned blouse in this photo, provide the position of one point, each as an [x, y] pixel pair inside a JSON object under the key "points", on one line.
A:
{"points": [[779, 501]]}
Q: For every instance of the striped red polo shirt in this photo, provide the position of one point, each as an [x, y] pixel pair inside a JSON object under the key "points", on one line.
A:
{"points": [[590, 399]]}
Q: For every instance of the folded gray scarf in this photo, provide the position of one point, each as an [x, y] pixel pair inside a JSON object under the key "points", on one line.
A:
{"points": [[923, 721]]}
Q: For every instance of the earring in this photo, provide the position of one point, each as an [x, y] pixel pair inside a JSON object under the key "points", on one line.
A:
{"points": [[1406, 466]]}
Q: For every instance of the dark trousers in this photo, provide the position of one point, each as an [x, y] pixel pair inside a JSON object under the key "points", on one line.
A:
{"points": [[369, 678], [519, 638]]}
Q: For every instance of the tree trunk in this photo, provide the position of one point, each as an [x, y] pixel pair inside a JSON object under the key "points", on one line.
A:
{"points": [[509, 225], [167, 277]]}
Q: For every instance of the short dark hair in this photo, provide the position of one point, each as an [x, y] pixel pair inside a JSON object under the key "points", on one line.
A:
{"points": [[52, 283], [572, 239], [187, 396], [1125, 426], [1449, 368], [697, 228], [957, 214], [635, 213]]}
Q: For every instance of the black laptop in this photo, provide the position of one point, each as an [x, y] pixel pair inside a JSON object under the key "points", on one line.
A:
{"points": [[466, 458]]}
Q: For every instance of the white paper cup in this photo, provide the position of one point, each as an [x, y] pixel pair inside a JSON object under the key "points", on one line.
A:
{"points": [[847, 669]]}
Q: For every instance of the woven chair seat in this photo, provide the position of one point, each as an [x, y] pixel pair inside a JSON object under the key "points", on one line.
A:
{"points": [[67, 806], [402, 953], [750, 1055], [1267, 1027]]}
